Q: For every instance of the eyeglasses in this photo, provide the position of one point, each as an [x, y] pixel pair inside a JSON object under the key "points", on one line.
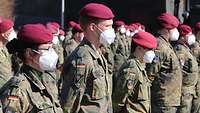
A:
{"points": [[42, 50]]}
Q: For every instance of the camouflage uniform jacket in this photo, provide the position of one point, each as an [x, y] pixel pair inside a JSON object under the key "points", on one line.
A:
{"points": [[87, 85], [166, 86], [189, 68], [71, 44], [108, 54], [132, 93], [196, 52], [120, 49], [30, 91], [5, 66]]}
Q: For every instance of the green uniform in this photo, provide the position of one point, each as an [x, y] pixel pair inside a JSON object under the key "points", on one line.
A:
{"points": [[71, 44], [132, 91], [165, 71], [87, 85], [68, 36], [108, 54], [196, 101], [5, 66], [190, 76], [121, 52], [59, 50], [30, 91]]}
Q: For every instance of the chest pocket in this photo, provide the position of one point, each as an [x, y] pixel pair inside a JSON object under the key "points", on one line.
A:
{"points": [[98, 82], [40, 102]]}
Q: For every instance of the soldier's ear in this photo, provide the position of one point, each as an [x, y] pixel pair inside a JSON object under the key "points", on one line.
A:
{"points": [[29, 53], [92, 26]]}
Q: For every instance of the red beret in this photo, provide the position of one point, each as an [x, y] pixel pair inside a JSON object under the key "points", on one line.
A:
{"points": [[197, 26], [78, 28], [140, 25], [126, 26], [119, 23], [184, 29], [145, 39], [53, 26], [35, 33], [62, 32], [135, 26], [168, 21], [72, 23], [132, 28], [97, 10], [5, 25]]}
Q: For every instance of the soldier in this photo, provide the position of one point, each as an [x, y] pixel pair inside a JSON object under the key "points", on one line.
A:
{"points": [[189, 67], [71, 25], [119, 48], [73, 42], [6, 34], [32, 89], [87, 86], [132, 93], [61, 36], [196, 52], [54, 28], [165, 70], [69, 34]]}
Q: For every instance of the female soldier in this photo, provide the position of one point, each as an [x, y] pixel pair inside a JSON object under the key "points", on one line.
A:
{"points": [[32, 89]]}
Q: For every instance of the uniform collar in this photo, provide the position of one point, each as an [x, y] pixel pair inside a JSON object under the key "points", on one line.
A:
{"points": [[33, 75], [91, 48], [140, 65]]}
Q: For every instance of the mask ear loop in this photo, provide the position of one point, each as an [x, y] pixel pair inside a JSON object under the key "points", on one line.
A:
{"points": [[99, 34]]}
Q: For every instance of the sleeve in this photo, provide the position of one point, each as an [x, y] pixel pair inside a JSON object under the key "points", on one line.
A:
{"points": [[16, 102], [74, 84], [125, 86]]}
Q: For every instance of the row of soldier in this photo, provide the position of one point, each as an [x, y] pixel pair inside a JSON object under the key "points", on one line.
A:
{"points": [[93, 68]]}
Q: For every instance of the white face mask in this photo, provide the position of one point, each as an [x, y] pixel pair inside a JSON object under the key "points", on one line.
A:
{"points": [[48, 60], [12, 36], [191, 39], [62, 38], [128, 33], [108, 36], [122, 30], [132, 34], [174, 34], [55, 40], [149, 56]]}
